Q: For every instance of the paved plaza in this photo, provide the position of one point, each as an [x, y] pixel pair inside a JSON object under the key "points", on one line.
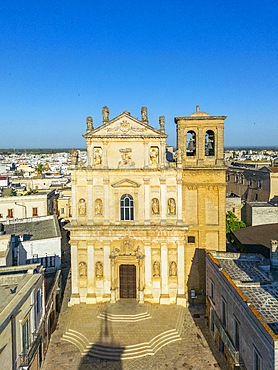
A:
{"points": [[128, 335]]}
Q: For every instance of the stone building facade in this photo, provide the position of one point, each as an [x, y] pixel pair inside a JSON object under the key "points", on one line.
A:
{"points": [[143, 216]]}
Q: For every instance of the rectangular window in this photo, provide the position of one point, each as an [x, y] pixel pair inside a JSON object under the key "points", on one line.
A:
{"points": [[10, 213], [35, 212], [62, 211], [211, 290], [25, 336], [191, 239], [224, 312], [236, 333], [258, 364]]}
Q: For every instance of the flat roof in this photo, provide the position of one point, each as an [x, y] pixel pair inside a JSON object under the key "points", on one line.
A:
{"points": [[252, 275]]}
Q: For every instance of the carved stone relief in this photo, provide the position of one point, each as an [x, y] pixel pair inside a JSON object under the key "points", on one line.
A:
{"points": [[171, 206], [126, 161]]}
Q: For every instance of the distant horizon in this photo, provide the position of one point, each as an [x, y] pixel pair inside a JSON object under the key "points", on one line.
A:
{"points": [[64, 149]]}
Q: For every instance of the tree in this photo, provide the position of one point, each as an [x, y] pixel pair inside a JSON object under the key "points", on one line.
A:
{"points": [[232, 224], [40, 168]]}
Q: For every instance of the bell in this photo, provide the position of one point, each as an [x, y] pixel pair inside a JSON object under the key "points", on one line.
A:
{"points": [[210, 147], [191, 145]]}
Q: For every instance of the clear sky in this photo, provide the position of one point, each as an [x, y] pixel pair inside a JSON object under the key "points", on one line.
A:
{"points": [[61, 61]]}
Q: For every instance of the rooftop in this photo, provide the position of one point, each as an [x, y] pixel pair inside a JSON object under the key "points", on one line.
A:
{"points": [[38, 228], [252, 275]]}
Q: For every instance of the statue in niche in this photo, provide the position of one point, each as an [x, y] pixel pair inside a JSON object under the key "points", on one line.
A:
{"points": [[138, 252], [178, 156], [127, 247], [97, 156], [173, 269], [89, 122], [171, 206], [155, 206], [126, 161], [154, 155], [82, 269], [82, 207], [98, 207], [99, 269], [74, 157], [115, 252], [156, 268], [162, 123], [105, 113], [144, 114]]}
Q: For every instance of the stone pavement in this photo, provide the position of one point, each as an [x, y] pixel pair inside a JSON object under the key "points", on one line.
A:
{"points": [[190, 351]]}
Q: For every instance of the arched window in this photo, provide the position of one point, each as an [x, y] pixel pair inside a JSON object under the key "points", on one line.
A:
{"points": [[127, 208], [191, 143], [209, 143]]}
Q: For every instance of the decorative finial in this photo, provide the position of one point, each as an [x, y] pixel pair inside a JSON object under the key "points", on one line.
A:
{"points": [[162, 123], [89, 122], [105, 113], [197, 108], [144, 114]]}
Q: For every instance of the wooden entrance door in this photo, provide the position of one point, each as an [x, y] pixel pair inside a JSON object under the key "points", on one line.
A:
{"points": [[127, 281]]}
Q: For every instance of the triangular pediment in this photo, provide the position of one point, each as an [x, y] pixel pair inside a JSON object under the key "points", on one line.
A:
{"points": [[127, 126], [126, 183]]}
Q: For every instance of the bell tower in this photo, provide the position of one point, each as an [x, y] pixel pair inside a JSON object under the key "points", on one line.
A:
{"points": [[200, 137], [200, 141]]}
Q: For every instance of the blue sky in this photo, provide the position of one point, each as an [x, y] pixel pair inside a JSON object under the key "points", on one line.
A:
{"points": [[61, 61]]}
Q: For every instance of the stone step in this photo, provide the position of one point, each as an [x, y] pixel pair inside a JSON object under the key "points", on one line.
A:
{"points": [[116, 352]]}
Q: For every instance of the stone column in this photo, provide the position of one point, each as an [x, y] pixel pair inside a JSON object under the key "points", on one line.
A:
{"points": [[162, 154], [113, 277], [147, 200], [75, 298], [73, 200], [106, 271], [181, 298], [163, 200], [148, 271], [104, 154], [106, 201], [146, 154], [91, 295], [164, 298], [90, 201], [179, 201], [141, 279]]}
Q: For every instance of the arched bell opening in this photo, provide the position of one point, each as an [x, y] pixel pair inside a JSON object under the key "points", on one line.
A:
{"points": [[210, 143], [190, 144]]}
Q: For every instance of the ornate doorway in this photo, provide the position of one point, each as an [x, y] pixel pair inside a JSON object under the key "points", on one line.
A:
{"points": [[127, 281]]}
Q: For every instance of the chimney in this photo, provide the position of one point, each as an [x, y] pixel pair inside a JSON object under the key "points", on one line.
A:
{"points": [[274, 253]]}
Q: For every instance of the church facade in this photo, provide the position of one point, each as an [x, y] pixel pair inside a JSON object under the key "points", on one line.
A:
{"points": [[143, 214]]}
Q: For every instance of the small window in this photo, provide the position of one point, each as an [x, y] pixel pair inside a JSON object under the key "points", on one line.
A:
{"points": [[224, 312], [236, 333], [1, 215], [209, 143], [191, 239], [211, 290], [10, 213], [25, 336], [62, 211], [127, 208], [35, 212], [258, 363]]}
